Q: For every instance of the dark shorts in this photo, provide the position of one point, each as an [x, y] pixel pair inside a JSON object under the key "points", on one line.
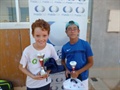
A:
{"points": [[47, 87]]}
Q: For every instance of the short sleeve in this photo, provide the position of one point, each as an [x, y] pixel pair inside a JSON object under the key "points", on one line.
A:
{"points": [[54, 53], [88, 50], [24, 59]]}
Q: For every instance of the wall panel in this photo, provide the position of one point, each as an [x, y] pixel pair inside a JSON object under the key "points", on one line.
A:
{"points": [[12, 43]]}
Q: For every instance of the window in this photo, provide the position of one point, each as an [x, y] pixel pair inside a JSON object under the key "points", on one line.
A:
{"points": [[11, 14], [14, 11], [24, 11], [7, 11]]}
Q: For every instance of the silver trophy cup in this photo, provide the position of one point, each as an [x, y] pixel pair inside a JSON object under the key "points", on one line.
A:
{"points": [[41, 60], [73, 64], [73, 83]]}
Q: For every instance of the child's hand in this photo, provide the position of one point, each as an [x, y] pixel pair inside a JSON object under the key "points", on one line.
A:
{"points": [[74, 74], [44, 76], [67, 72], [39, 77], [48, 72]]}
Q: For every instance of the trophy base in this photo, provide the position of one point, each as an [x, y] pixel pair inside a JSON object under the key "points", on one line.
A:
{"points": [[73, 84], [44, 75]]}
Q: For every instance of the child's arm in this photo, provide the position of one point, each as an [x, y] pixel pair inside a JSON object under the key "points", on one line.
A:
{"points": [[25, 71], [86, 67], [66, 70]]}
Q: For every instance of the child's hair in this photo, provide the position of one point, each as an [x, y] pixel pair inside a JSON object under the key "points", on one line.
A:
{"points": [[42, 24]]}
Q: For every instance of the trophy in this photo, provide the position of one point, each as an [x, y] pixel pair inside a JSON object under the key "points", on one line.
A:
{"points": [[73, 83], [73, 64], [41, 60]]}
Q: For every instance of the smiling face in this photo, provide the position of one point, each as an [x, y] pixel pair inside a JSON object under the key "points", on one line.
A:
{"points": [[40, 32], [41, 37]]}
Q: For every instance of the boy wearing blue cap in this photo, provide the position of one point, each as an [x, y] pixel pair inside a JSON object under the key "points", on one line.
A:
{"points": [[76, 50]]}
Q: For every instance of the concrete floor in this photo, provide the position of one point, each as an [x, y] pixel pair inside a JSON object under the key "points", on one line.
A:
{"points": [[109, 76]]}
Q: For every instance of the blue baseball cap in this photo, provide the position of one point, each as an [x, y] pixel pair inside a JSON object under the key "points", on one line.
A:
{"points": [[71, 23]]}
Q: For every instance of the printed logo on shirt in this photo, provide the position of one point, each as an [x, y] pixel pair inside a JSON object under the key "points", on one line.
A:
{"points": [[68, 50], [34, 61]]}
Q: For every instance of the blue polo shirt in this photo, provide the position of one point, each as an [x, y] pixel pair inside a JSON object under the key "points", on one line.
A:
{"points": [[78, 52]]}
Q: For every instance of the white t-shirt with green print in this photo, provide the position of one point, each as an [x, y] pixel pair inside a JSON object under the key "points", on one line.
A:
{"points": [[29, 58]]}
